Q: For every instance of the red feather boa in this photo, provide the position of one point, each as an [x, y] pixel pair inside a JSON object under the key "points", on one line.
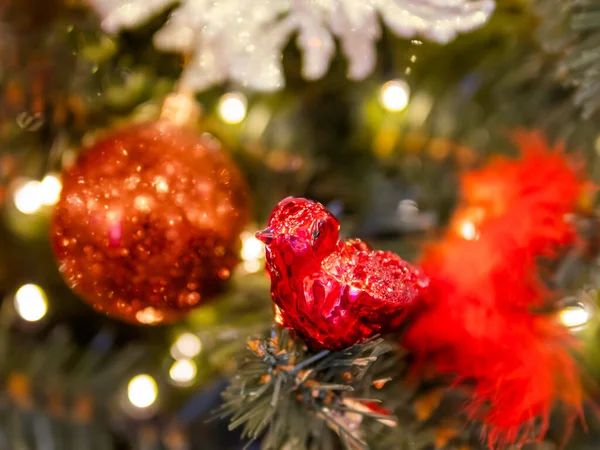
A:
{"points": [[478, 321]]}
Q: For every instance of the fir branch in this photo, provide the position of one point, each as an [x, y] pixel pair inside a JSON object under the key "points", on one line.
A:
{"points": [[58, 395], [301, 398], [572, 31]]}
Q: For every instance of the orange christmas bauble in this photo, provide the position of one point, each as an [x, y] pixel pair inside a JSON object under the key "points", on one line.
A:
{"points": [[148, 223]]}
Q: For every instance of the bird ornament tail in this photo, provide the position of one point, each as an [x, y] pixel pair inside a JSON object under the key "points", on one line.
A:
{"points": [[478, 318]]}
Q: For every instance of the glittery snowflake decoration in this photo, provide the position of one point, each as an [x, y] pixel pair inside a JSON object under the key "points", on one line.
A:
{"points": [[242, 40]]}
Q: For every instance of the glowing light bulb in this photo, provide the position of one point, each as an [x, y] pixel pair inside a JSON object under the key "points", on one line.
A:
{"points": [[27, 197], [31, 302], [253, 251], [394, 95], [49, 189], [252, 248], [142, 391], [187, 345], [183, 371], [232, 107], [574, 316], [251, 266], [468, 230]]}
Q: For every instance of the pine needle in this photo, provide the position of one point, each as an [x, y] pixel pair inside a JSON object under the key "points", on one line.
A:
{"points": [[286, 393]]}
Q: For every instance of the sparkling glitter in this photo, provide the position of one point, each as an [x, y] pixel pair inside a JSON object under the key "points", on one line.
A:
{"points": [[333, 293], [243, 40], [122, 241]]}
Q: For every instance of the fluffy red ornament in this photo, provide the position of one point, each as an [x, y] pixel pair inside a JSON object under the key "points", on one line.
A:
{"points": [[333, 293], [148, 222], [478, 320]]}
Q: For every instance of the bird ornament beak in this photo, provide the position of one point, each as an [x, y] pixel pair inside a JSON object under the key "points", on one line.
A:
{"points": [[266, 236]]}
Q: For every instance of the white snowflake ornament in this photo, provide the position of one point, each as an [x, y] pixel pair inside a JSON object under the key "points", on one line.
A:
{"points": [[243, 40]]}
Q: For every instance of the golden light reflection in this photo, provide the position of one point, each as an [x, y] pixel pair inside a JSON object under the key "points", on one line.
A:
{"points": [[31, 302], [142, 391], [187, 345]]}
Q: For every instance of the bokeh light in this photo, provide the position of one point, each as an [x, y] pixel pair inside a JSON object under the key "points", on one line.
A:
{"points": [[183, 371], [187, 345], [574, 316], [142, 391], [252, 248], [394, 95], [31, 302], [27, 197], [233, 107], [49, 189], [468, 230], [253, 251]]}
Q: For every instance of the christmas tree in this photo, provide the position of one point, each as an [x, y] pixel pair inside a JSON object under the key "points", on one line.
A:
{"points": [[290, 224]]}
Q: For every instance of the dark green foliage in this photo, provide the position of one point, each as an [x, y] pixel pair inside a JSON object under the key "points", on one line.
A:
{"points": [[571, 31], [56, 396], [583, 55]]}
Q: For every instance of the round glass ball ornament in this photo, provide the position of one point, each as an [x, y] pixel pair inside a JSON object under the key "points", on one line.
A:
{"points": [[147, 226]]}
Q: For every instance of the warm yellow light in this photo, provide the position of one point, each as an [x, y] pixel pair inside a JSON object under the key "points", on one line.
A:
{"points": [[49, 189], [31, 302], [251, 266], [187, 345], [142, 391], [27, 197], [183, 371], [468, 230], [253, 251], [232, 107], [252, 248], [394, 95], [574, 316]]}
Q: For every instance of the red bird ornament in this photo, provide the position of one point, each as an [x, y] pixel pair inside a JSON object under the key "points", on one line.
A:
{"points": [[333, 293], [477, 293]]}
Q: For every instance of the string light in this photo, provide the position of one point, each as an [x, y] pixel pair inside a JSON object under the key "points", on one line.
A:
{"points": [[142, 391], [232, 107], [251, 266], [394, 95], [574, 316], [49, 189], [253, 252], [468, 230], [187, 345], [183, 371], [31, 303], [27, 197]]}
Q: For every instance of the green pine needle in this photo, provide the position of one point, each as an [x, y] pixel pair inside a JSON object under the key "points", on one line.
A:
{"points": [[293, 397]]}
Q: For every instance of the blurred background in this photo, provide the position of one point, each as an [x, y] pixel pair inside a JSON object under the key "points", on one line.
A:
{"points": [[383, 154]]}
